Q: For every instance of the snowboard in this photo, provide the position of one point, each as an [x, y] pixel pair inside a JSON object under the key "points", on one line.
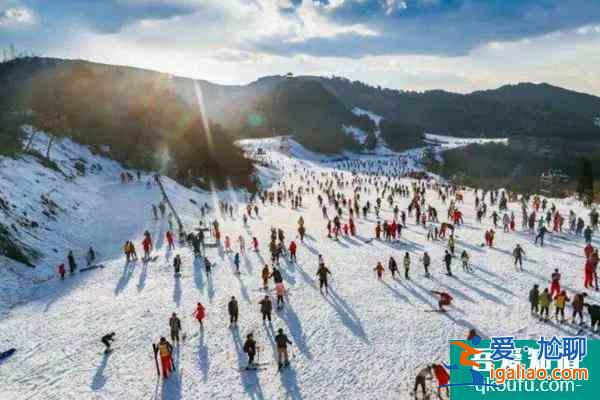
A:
{"points": [[7, 353]]}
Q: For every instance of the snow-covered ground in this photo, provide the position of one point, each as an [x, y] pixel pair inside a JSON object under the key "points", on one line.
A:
{"points": [[365, 341], [452, 142]]}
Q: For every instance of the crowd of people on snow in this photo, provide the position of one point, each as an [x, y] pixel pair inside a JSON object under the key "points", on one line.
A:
{"points": [[358, 191]]}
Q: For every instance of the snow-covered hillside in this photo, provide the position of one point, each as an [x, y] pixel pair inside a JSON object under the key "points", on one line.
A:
{"points": [[366, 340]]}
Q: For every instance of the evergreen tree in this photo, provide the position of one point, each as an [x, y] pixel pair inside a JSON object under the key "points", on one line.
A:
{"points": [[585, 179]]}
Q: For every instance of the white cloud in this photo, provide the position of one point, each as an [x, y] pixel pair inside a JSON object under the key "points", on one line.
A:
{"points": [[17, 16]]}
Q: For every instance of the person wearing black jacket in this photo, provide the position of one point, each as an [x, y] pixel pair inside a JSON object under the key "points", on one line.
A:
{"points": [[282, 341], [233, 309], [250, 349], [448, 262], [106, 339], [393, 266], [266, 307]]}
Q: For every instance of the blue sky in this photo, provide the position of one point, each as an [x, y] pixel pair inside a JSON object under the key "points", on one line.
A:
{"points": [[459, 45]]}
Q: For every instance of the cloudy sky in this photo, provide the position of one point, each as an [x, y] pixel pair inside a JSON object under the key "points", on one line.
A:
{"points": [[459, 45]]}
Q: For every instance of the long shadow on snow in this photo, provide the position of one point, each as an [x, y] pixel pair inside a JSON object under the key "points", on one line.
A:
{"points": [[289, 316], [482, 293], [347, 315], [125, 277], [290, 383], [249, 379], [198, 273], [99, 380], [203, 359], [395, 292], [171, 387], [143, 275], [243, 289], [177, 291]]}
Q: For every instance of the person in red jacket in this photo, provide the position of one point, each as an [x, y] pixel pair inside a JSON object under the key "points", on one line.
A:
{"points": [[147, 245], [588, 250], [589, 274], [445, 299], [61, 271], [443, 378], [555, 285], [200, 313], [170, 240], [292, 250]]}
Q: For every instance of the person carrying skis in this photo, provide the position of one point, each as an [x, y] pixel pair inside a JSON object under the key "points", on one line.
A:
{"points": [[379, 270], [406, 264], [266, 307], [175, 325], [165, 351], [445, 299], [534, 299], [250, 349], [518, 253], [233, 309], [322, 273], [106, 340], [448, 262], [177, 265], [199, 313], [282, 342], [421, 380]]}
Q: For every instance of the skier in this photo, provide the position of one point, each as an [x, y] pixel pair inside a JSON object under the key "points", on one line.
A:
{"points": [[322, 273], [518, 253], [250, 349], [282, 353], [443, 378], [406, 264], [426, 262], [72, 263], [445, 299], [448, 262], [464, 257], [236, 262], [107, 339], [541, 233], [280, 292], [577, 305], [265, 276], [560, 301], [91, 256], [421, 380], [544, 301], [200, 313], [61, 270], [534, 299], [232, 308], [166, 360], [292, 250], [266, 306], [147, 245], [170, 240], [175, 325], [594, 311], [393, 266], [555, 285], [379, 270], [177, 265]]}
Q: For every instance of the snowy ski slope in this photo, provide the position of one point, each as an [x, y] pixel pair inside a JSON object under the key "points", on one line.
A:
{"points": [[365, 341]]}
